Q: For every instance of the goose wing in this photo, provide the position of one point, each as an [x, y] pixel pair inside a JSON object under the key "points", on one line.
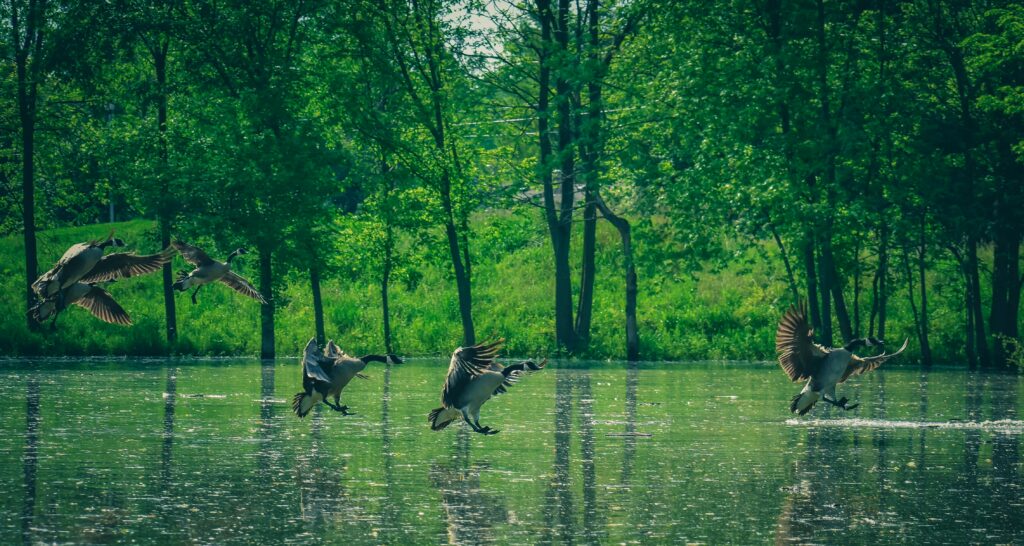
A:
{"points": [[242, 286], [467, 363], [124, 264], [794, 343], [864, 364], [101, 304], [514, 372], [311, 363], [193, 255]]}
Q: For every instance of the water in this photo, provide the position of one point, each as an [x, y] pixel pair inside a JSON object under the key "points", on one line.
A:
{"points": [[209, 452]]}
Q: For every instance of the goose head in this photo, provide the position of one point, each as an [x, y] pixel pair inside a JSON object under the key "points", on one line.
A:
{"points": [[238, 252]]}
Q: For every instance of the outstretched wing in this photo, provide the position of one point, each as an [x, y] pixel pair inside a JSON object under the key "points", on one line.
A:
{"points": [[242, 286], [794, 343], [514, 372], [311, 363], [862, 364], [192, 255], [467, 363], [101, 304], [124, 264]]}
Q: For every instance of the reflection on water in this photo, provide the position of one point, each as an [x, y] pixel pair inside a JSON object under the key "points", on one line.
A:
{"points": [[30, 458], [209, 452]]}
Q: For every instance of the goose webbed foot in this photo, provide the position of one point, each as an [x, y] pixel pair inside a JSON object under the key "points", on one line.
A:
{"points": [[342, 409], [841, 403], [488, 431]]}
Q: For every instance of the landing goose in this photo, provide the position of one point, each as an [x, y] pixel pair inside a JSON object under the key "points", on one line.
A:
{"points": [[823, 367], [325, 373], [473, 378]]}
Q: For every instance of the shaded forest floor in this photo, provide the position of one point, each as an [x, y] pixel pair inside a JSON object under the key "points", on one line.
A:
{"points": [[726, 312]]}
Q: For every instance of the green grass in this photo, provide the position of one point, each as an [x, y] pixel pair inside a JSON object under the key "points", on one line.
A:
{"points": [[726, 314]]}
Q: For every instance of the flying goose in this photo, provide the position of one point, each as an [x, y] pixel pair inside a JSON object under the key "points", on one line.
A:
{"points": [[823, 367], [208, 270], [326, 373], [473, 378], [85, 262], [91, 297]]}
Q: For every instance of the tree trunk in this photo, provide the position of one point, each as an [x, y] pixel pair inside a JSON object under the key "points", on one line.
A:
{"points": [[974, 286], [824, 283], [812, 282], [926, 350], [25, 46], [462, 284], [267, 309], [842, 315], [918, 326], [564, 326], [165, 215], [385, 281], [622, 225], [785, 260], [588, 269], [318, 305]]}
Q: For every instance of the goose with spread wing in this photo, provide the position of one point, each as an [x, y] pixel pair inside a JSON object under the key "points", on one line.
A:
{"points": [[208, 270], [823, 367], [473, 378], [325, 373], [90, 297], [85, 262]]}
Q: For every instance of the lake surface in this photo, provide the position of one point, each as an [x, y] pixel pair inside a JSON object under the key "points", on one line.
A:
{"points": [[209, 452]]}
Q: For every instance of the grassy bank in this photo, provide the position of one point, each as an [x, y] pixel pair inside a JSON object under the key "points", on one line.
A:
{"points": [[729, 313]]}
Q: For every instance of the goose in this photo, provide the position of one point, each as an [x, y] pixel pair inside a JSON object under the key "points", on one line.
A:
{"points": [[76, 262], [823, 367], [85, 262], [208, 270], [473, 378], [91, 297], [325, 373]]}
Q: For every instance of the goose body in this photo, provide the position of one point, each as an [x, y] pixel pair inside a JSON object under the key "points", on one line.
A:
{"points": [[474, 378], [823, 367], [91, 297], [326, 373], [77, 261], [207, 270]]}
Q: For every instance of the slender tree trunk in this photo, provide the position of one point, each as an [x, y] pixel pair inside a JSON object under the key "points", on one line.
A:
{"points": [[26, 46], [812, 282], [622, 225], [974, 287], [918, 325], [856, 290], [564, 325], [785, 260], [881, 297], [165, 215], [385, 281], [267, 309], [824, 283], [842, 315], [926, 351], [588, 269], [559, 244], [318, 305]]}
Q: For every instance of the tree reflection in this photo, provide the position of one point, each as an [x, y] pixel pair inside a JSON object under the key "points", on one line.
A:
{"points": [[30, 458], [560, 508]]}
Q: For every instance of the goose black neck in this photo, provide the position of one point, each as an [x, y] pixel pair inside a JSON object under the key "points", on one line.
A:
{"points": [[373, 358], [855, 344], [232, 256]]}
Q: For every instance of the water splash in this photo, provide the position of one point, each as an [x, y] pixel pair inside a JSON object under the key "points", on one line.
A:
{"points": [[1006, 426]]}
